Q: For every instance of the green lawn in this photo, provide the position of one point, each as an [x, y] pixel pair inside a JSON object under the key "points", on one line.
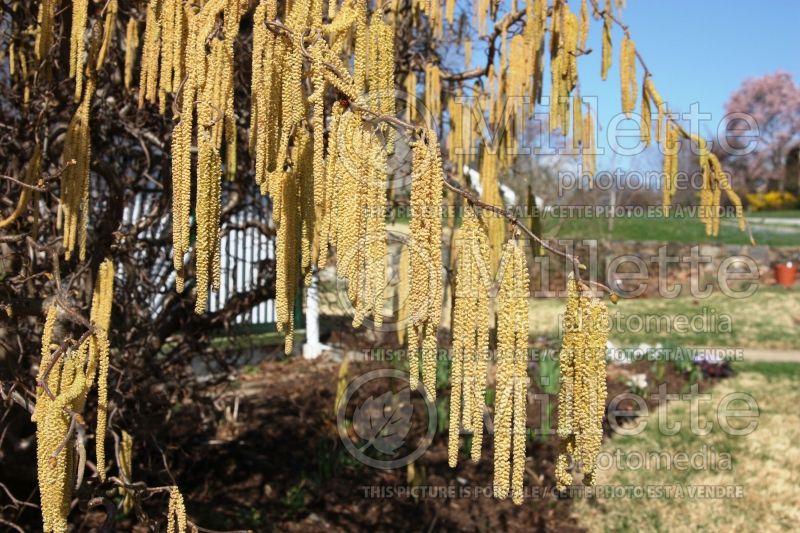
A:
{"points": [[767, 319], [675, 229], [761, 467]]}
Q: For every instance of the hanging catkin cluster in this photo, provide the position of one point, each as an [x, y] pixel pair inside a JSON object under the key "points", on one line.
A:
{"points": [[714, 182], [207, 96], [347, 175], [380, 67], [511, 395], [288, 190], [535, 29], [73, 209], [669, 133], [64, 380], [425, 256], [581, 399], [165, 43], [563, 64], [354, 222], [470, 348], [327, 182]]}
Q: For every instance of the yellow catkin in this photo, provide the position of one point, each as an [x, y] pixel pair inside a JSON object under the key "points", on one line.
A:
{"points": [[571, 36], [287, 190], [627, 69], [33, 171], [26, 86], [208, 197], [361, 50], [606, 46], [491, 195], [512, 378], [261, 45], [646, 124], [74, 202], [12, 59], [517, 81], [342, 379], [671, 148], [661, 108], [380, 72], [577, 119], [45, 31], [435, 18], [63, 384], [470, 336], [433, 92], [581, 398], [316, 100], [46, 359], [708, 209], [584, 25], [102, 299], [131, 46], [401, 294], [563, 65], [148, 77], [588, 148], [329, 223], [125, 466], [411, 96], [170, 21], [54, 450], [176, 513], [481, 9], [109, 21], [80, 12], [425, 292]]}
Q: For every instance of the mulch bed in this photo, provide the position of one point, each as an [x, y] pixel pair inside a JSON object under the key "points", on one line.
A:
{"points": [[280, 464]]}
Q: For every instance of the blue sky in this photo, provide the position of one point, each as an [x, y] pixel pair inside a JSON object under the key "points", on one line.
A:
{"points": [[701, 51], [698, 51]]}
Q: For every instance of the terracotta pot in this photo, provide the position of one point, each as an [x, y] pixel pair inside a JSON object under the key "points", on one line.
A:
{"points": [[785, 274]]}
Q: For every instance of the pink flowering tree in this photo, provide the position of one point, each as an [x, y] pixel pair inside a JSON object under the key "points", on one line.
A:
{"points": [[763, 159]]}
